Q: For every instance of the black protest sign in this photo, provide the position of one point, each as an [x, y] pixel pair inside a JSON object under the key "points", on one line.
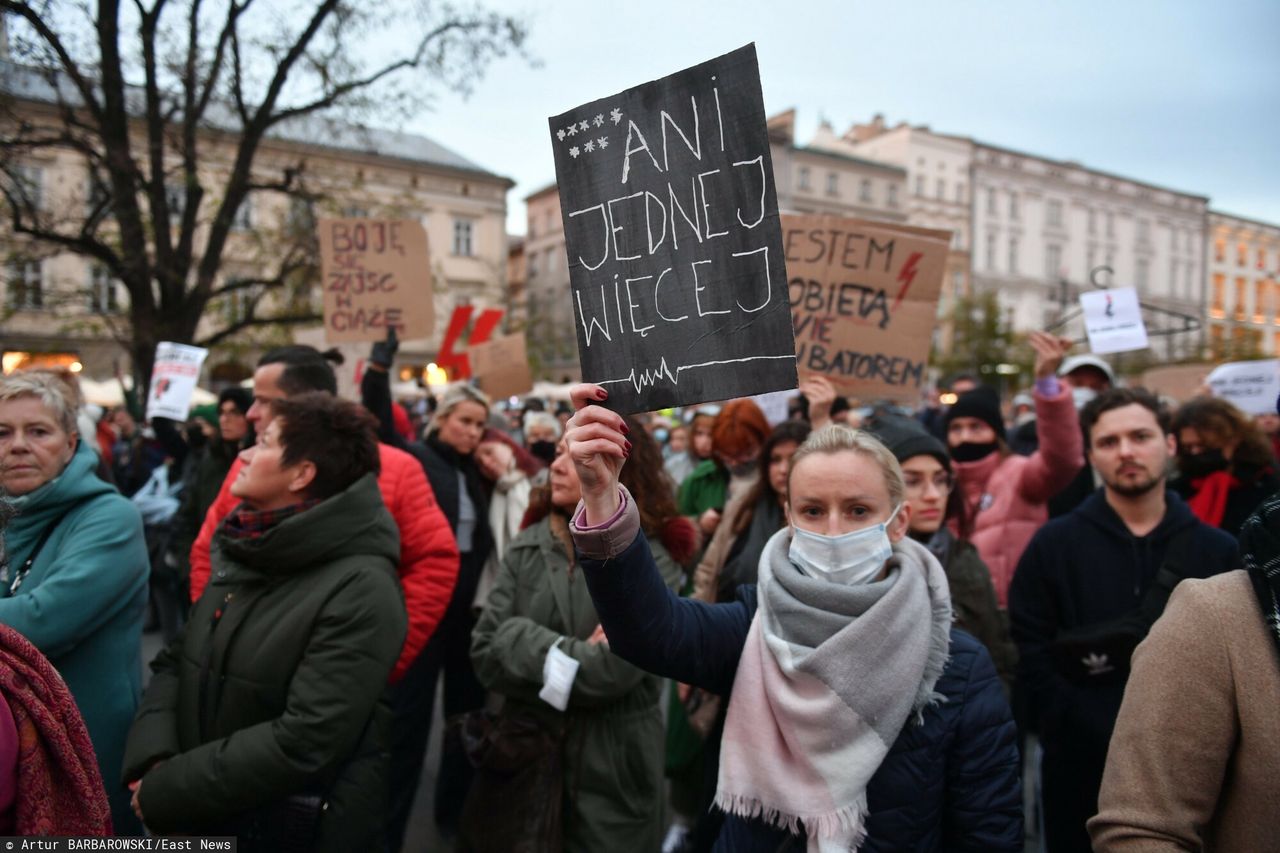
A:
{"points": [[671, 225]]}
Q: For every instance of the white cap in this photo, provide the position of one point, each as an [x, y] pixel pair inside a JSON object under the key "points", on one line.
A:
{"points": [[1076, 362]]}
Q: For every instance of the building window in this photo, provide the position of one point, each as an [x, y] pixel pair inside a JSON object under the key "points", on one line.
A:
{"points": [[26, 285], [95, 199], [1144, 232], [1013, 205], [1241, 292], [1220, 250], [1141, 274], [1242, 255], [1262, 258], [960, 192], [991, 252], [1172, 287], [957, 283], [1260, 289], [1093, 222], [991, 200], [1053, 214], [1013, 256], [176, 199], [1052, 262], [29, 183], [104, 291], [301, 218], [462, 237], [804, 177], [864, 191], [1111, 224], [1275, 302], [243, 218], [891, 195], [1218, 308], [920, 186], [355, 212], [239, 304], [942, 189], [531, 262], [1215, 341], [833, 183]]}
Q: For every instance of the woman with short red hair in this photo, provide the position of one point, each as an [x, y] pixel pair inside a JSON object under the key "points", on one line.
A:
{"points": [[738, 434]]}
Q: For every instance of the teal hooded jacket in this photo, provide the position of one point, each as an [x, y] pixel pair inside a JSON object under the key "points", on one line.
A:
{"points": [[84, 601]]}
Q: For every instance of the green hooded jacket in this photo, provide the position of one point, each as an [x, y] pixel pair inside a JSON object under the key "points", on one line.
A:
{"points": [[613, 743], [84, 601], [273, 687]]}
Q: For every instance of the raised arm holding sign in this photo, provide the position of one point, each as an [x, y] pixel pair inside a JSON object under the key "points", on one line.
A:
{"points": [[671, 227]]}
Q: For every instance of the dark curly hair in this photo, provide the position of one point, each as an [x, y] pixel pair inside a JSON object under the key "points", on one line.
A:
{"points": [[337, 436], [1220, 423], [647, 480], [794, 431]]}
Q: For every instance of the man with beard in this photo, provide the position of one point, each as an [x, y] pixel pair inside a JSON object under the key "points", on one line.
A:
{"points": [[1086, 590]]}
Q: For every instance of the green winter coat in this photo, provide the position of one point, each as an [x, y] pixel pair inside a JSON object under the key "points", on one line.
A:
{"points": [[312, 620], [84, 601], [706, 488], [613, 746]]}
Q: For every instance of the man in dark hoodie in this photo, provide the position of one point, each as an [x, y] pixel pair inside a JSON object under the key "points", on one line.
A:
{"points": [[1082, 571]]}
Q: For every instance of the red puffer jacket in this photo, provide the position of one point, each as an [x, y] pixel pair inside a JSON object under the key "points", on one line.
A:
{"points": [[428, 566], [1008, 497]]}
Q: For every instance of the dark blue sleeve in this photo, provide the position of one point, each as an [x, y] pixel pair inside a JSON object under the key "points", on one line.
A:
{"points": [[984, 779], [651, 627]]}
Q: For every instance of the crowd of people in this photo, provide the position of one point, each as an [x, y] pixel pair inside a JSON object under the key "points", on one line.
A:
{"points": [[860, 627]]}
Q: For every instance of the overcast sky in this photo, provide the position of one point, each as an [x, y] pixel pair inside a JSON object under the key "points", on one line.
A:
{"points": [[1179, 93]]}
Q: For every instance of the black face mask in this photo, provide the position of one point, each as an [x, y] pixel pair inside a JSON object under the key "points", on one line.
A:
{"points": [[1203, 464], [971, 452], [544, 450]]}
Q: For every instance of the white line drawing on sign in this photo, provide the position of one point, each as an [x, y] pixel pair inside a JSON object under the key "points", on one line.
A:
{"points": [[648, 377]]}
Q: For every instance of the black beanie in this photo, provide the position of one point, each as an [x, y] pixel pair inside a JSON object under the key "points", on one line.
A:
{"points": [[982, 403], [907, 438], [241, 398]]}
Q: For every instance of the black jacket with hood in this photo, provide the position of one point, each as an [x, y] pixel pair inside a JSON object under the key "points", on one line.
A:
{"points": [[1082, 569]]}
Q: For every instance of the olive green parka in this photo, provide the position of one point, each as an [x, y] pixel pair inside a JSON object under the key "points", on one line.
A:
{"points": [[273, 687], [613, 728]]}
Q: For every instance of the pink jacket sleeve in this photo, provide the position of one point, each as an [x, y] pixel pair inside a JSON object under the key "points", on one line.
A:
{"points": [[1061, 453]]}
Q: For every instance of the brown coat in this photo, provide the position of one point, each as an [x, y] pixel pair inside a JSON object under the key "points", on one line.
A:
{"points": [[1192, 763]]}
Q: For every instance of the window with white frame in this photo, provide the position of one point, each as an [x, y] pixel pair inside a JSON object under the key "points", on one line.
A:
{"points": [[1053, 213], [1052, 261], [942, 190], [920, 186], [1013, 256], [991, 201], [991, 251], [833, 183], [25, 284], [463, 237], [960, 192], [864, 190], [28, 180], [891, 195], [1092, 216], [803, 178], [242, 220], [532, 264], [1013, 205], [104, 291], [1144, 232]]}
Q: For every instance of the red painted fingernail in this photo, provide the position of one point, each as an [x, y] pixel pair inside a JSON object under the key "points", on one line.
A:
{"points": [[603, 395], [626, 430], [628, 450]]}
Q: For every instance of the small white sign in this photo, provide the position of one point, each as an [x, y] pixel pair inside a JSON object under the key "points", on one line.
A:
{"points": [[173, 380], [1113, 320], [774, 405], [1251, 385]]}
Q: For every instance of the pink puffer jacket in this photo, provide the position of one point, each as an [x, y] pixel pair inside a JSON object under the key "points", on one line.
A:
{"points": [[1007, 497]]}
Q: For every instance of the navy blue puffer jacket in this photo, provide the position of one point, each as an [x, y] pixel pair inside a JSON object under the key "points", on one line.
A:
{"points": [[950, 784]]}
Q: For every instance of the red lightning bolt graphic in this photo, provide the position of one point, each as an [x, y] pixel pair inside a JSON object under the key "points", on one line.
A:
{"points": [[907, 275]]}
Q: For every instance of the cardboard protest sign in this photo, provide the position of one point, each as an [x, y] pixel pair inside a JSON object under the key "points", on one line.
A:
{"points": [[1113, 320], [1252, 386], [864, 299], [1178, 381], [173, 380], [376, 274], [502, 366], [675, 255]]}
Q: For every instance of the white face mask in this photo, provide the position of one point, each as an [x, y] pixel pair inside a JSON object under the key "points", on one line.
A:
{"points": [[1082, 397], [852, 559]]}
